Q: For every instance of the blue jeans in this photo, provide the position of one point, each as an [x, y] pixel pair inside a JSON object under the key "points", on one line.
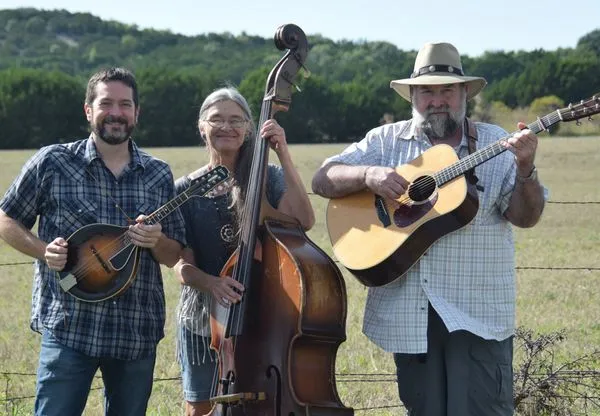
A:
{"points": [[64, 378]]}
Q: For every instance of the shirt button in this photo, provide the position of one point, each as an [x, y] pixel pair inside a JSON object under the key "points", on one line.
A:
{"points": [[425, 253], [424, 280]]}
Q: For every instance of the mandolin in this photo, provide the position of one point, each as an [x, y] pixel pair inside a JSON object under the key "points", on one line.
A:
{"points": [[102, 261]]}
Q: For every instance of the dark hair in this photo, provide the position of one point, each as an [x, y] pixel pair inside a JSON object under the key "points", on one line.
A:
{"points": [[111, 74]]}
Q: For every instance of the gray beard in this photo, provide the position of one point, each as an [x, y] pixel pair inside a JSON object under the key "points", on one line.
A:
{"points": [[439, 126]]}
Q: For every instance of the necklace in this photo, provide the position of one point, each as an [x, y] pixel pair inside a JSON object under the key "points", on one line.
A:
{"points": [[223, 209]]}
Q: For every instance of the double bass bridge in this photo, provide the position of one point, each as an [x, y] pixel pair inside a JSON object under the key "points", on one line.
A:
{"points": [[237, 399]]}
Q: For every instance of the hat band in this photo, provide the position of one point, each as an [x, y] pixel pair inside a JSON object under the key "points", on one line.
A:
{"points": [[437, 68]]}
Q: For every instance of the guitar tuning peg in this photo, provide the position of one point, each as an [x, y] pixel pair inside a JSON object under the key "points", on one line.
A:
{"points": [[577, 122], [590, 118]]}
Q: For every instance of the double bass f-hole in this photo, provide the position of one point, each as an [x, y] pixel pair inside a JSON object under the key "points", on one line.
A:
{"points": [[276, 348]]}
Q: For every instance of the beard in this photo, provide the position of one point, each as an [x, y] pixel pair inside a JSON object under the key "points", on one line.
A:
{"points": [[439, 122], [112, 135]]}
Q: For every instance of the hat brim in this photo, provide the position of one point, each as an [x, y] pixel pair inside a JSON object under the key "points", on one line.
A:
{"points": [[402, 86]]}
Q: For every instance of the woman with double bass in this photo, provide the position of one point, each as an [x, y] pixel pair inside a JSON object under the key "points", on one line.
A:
{"points": [[276, 347], [226, 127]]}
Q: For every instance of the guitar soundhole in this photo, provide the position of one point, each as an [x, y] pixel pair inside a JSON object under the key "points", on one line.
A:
{"points": [[421, 200], [421, 189]]}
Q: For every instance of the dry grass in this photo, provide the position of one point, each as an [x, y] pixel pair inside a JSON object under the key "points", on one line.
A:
{"points": [[568, 236]]}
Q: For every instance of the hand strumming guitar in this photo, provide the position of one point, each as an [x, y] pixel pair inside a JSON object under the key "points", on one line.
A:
{"points": [[385, 181]]}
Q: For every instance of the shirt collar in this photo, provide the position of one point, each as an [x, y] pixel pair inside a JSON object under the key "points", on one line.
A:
{"points": [[91, 154]]}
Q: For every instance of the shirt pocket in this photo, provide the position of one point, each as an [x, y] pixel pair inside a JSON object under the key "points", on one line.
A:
{"points": [[148, 205], [145, 208], [75, 213]]}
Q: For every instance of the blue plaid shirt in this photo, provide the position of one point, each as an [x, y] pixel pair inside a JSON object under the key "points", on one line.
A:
{"points": [[68, 186]]}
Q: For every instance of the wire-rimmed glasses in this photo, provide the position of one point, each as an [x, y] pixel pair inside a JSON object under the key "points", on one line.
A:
{"points": [[234, 123]]}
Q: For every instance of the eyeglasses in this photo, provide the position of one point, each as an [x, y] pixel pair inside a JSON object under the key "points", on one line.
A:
{"points": [[237, 123]]}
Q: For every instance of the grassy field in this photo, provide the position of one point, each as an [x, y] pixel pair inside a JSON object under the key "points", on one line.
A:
{"points": [[550, 298]]}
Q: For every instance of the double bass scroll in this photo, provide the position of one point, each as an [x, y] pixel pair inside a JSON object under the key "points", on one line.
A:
{"points": [[276, 348]]}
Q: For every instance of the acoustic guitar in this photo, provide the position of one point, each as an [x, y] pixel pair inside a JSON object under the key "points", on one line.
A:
{"points": [[379, 240], [102, 261]]}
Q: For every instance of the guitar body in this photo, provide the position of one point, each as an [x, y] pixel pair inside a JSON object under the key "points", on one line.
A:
{"points": [[379, 240], [97, 266]]}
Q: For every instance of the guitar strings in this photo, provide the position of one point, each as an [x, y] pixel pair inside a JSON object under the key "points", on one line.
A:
{"points": [[243, 269], [542, 123]]}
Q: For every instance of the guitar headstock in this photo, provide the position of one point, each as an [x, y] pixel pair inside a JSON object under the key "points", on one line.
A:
{"points": [[208, 181], [586, 108]]}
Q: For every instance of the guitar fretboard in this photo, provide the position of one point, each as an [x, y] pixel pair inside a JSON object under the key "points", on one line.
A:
{"points": [[482, 155]]}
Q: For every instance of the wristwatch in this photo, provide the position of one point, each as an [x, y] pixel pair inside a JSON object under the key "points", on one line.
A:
{"points": [[533, 176]]}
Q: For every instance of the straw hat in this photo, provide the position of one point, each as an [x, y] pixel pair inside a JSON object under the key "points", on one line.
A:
{"points": [[438, 64]]}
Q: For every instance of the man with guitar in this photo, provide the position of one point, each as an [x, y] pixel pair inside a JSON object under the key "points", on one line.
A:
{"points": [[449, 319], [105, 179]]}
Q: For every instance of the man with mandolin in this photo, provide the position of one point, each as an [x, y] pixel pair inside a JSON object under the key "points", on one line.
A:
{"points": [[446, 306], [102, 181]]}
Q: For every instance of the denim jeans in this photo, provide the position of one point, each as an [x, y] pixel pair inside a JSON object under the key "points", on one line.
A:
{"points": [[64, 378]]}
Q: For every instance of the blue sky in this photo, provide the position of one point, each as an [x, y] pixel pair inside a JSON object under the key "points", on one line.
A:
{"points": [[473, 26]]}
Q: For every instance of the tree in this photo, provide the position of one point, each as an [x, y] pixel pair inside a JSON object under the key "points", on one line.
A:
{"points": [[38, 108], [591, 41], [169, 104]]}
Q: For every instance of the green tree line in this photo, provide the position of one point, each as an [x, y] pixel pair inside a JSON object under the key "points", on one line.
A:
{"points": [[47, 56]]}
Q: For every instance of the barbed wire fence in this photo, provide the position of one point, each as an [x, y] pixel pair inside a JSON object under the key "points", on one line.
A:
{"points": [[542, 384]]}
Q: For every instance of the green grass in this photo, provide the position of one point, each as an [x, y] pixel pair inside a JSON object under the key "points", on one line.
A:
{"points": [[548, 300]]}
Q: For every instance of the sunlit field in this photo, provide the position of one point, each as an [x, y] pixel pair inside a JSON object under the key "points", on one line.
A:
{"points": [[558, 284]]}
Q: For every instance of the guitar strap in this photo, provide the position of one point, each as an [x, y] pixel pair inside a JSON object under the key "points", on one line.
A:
{"points": [[471, 132]]}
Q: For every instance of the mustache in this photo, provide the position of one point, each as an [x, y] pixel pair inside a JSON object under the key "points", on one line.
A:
{"points": [[430, 110], [115, 119]]}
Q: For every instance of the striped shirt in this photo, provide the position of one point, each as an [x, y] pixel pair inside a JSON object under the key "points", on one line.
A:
{"points": [[68, 186], [468, 276]]}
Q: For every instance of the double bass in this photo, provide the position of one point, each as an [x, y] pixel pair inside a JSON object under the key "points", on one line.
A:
{"points": [[276, 348]]}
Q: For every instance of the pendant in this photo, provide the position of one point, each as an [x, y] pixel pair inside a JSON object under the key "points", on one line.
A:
{"points": [[227, 233]]}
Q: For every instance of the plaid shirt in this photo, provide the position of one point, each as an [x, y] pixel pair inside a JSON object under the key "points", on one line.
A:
{"points": [[68, 186], [469, 275]]}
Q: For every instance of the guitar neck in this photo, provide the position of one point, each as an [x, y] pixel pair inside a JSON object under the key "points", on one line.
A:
{"points": [[482, 155]]}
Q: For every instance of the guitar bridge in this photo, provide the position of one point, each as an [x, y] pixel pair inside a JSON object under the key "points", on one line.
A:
{"points": [[382, 212]]}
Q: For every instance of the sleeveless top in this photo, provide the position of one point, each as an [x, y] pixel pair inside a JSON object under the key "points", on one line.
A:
{"points": [[211, 233]]}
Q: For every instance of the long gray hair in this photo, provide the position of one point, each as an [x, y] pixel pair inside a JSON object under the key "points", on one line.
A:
{"points": [[244, 160]]}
